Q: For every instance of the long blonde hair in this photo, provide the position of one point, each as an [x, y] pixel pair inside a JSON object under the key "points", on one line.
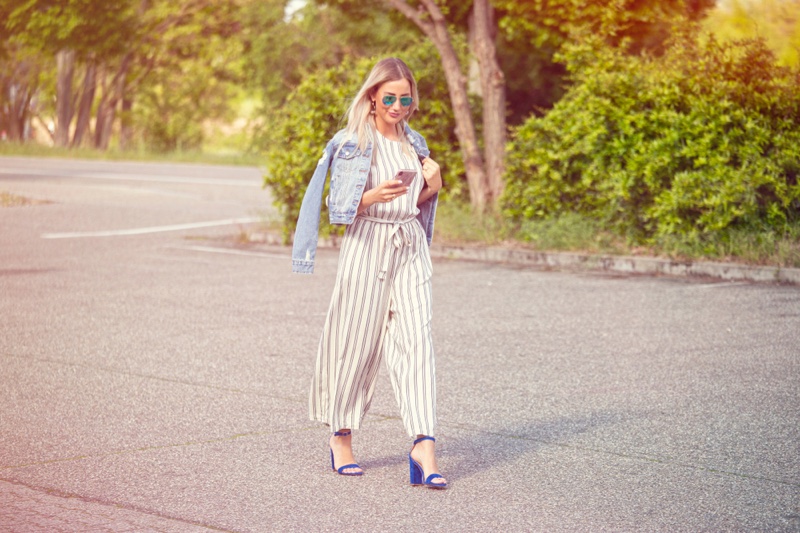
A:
{"points": [[360, 123]]}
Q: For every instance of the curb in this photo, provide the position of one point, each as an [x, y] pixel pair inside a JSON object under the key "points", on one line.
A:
{"points": [[624, 264], [645, 265]]}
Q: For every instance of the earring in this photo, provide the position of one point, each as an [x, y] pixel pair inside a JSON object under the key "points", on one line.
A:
{"points": [[372, 111]]}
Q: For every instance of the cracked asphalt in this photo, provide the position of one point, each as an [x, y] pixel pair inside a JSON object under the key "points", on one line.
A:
{"points": [[155, 368]]}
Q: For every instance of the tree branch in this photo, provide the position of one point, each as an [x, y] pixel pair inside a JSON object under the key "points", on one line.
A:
{"points": [[434, 11], [414, 16]]}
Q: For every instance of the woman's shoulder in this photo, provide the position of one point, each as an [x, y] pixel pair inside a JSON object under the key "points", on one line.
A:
{"points": [[340, 137], [417, 141], [413, 134]]}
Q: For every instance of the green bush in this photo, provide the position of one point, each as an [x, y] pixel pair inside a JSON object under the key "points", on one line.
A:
{"points": [[315, 110], [699, 142]]}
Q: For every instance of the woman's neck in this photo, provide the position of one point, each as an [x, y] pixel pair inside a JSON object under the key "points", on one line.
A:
{"points": [[387, 130]]}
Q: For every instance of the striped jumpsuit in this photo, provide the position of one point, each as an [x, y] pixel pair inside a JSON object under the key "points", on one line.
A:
{"points": [[381, 307]]}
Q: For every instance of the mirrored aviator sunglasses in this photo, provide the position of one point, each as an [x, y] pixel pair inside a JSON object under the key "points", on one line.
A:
{"points": [[405, 101]]}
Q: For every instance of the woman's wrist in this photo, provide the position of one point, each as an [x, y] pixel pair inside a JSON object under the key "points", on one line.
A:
{"points": [[366, 201]]}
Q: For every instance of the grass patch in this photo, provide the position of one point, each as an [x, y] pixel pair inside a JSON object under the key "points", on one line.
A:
{"points": [[756, 246], [457, 224], [12, 200], [208, 158], [571, 232]]}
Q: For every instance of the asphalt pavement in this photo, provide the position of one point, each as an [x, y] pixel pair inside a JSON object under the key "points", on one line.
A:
{"points": [[155, 365]]}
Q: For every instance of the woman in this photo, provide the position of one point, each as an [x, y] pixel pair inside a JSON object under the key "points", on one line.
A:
{"points": [[381, 304]]}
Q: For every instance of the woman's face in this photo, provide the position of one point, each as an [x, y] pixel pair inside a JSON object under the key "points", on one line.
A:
{"points": [[387, 116]]}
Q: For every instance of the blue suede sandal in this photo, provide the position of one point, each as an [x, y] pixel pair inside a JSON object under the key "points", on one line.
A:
{"points": [[341, 469], [416, 474]]}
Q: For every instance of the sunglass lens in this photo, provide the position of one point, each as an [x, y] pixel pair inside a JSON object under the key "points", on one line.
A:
{"points": [[405, 101]]}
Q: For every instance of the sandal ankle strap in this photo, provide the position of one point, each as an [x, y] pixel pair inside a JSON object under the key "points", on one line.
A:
{"points": [[341, 433], [424, 438]]}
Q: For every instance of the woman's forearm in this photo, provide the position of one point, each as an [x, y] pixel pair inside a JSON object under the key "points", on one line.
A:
{"points": [[425, 195]]}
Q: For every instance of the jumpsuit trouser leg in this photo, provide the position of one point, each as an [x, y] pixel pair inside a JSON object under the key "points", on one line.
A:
{"points": [[378, 311]]}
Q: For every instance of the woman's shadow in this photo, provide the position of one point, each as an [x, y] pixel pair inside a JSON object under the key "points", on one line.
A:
{"points": [[466, 450]]}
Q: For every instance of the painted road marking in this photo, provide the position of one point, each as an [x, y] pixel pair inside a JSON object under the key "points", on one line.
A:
{"points": [[151, 229], [232, 251], [135, 177]]}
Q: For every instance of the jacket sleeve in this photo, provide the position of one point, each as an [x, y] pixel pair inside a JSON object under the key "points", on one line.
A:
{"points": [[306, 235]]}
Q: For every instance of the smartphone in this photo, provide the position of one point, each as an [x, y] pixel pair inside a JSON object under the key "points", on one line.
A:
{"points": [[406, 176]]}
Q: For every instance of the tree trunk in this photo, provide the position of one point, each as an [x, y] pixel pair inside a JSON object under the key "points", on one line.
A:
{"points": [[15, 111], [125, 129], [493, 90], [99, 119], [107, 110], [22, 114], [65, 62], [85, 107], [107, 122], [435, 27]]}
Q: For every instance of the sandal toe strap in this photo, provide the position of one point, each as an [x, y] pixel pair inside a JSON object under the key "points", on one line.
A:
{"points": [[341, 469], [432, 477]]}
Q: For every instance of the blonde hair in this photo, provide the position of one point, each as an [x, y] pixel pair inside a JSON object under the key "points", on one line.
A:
{"points": [[360, 123]]}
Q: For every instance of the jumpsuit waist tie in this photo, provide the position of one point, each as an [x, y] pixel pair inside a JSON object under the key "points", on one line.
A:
{"points": [[399, 235]]}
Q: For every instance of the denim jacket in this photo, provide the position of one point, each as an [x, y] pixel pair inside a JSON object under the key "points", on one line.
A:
{"points": [[349, 174]]}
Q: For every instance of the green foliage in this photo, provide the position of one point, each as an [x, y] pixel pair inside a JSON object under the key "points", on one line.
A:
{"points": [[699, 142], [314, 112], [280, 52], [531, 32], [188, 79], [777, 21], [86, 26]]}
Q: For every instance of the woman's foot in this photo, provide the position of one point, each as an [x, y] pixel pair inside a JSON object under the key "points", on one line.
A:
{"points": [[424, 453], [341, 444]]}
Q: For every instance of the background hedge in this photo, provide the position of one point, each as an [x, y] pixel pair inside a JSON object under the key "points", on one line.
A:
{"points": [[698, 142]]}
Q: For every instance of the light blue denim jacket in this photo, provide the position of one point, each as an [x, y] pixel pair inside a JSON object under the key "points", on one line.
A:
{"points": [[349, 174]]}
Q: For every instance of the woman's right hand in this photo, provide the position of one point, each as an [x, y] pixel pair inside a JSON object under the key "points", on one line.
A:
{"points": [[382, 194]]}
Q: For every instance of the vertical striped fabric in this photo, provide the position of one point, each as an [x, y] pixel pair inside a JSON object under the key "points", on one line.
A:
{"points": [[381, 307]]}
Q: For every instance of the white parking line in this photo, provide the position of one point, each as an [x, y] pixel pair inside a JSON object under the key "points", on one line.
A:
{"points": [[151, 229], [237, 182], [232, 251]]}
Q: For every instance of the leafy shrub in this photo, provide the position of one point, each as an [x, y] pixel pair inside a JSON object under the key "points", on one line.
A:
{"points": [[696, 143], [315, 110]]}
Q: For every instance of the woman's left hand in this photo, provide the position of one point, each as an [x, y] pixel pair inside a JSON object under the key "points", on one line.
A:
{"points": [[432, 174]]}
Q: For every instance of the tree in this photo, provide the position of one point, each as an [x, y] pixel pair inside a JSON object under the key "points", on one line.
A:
{"points": [[639, 25], [484, 186], [184, 71], [20, 79], [281, 51], [72, 30]]}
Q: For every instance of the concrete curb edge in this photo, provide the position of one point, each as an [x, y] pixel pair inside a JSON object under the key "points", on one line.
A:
{"points": [[644, 265], [622, 264]]}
